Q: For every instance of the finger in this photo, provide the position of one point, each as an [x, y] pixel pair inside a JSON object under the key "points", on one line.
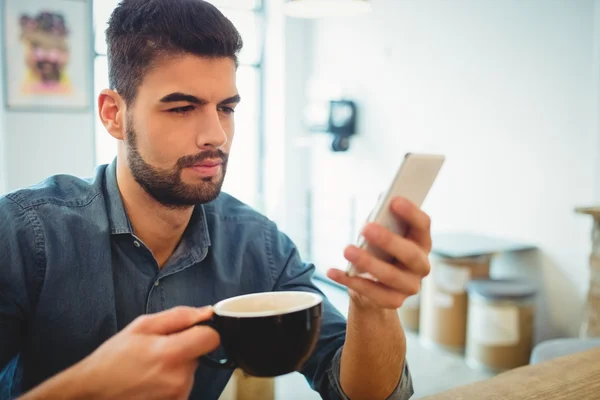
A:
{"points": [[171, 321], [407, 252], [192, 343], [380, 295], [387, 274], [418, 221]]}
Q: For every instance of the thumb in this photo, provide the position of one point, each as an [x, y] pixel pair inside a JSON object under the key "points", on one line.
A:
{"points": [[170, 321]]}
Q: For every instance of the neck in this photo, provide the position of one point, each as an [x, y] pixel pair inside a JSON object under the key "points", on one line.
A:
{"points": [[159, 227]]}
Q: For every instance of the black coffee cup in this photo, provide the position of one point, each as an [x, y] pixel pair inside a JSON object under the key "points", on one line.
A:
{"points": [[267, 334]]}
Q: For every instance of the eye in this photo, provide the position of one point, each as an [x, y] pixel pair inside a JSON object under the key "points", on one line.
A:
{"points": [[226, 110], [181, 110]]}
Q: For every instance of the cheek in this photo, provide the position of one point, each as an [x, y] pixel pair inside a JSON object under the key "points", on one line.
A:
{"points": [[160, 143], [228, 126], [231, 130]]}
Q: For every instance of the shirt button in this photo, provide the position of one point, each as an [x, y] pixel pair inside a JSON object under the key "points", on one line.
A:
{"points": [[156, 283], [136, 243]]}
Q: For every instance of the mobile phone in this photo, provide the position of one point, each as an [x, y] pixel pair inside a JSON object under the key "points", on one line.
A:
{"points": [[413, 181]]}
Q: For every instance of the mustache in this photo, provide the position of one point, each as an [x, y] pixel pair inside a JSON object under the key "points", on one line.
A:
{"points": [[188, 161]]}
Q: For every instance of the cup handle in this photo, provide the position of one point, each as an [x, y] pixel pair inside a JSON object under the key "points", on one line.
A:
{"points": [[210, 361]]}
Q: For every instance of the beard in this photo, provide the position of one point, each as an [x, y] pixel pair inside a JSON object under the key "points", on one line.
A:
{"points": [[166, 185]]}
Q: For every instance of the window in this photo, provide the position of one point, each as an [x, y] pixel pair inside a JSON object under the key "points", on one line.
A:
{"points": [[243, 174]]}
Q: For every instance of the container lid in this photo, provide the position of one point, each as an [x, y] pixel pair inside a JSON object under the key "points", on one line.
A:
{"points": [[502, 289], [465, 245]]}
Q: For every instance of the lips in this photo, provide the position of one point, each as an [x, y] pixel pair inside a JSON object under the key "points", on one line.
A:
{"points": [[208, 164], [207, 168]]}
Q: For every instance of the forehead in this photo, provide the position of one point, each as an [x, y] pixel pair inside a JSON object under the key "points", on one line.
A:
{"points": [[206, 77]]}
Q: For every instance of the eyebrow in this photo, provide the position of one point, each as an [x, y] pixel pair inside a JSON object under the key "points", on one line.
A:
{"points": [[231, 100], [178, 97]]}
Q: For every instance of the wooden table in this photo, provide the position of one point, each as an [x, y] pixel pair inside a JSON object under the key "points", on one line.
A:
{"points": [[576, 376]]}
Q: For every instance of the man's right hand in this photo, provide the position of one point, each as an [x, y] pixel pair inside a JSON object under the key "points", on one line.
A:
{"points": [[155, 357]]}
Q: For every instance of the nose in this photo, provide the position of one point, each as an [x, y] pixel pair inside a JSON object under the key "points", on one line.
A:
{"points": [[211, 132]]}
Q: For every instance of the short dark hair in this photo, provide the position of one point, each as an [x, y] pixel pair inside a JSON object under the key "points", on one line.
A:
{"points": [[141, 31]]}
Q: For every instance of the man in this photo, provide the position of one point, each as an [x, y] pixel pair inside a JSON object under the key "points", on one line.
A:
{"points": [[104, 279]]}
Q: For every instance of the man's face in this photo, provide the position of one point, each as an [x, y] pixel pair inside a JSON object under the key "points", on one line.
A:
{"points": [[180, 128]]}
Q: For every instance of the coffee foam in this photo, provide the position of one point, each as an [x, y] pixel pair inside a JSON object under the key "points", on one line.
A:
{"points": [[271, 303]]}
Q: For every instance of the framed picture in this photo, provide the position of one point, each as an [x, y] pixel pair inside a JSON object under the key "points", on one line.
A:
{"points": [[47, 54]]}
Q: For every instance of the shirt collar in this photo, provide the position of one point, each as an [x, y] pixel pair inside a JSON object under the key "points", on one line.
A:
{"points": [[196, 233], [119, 223]]}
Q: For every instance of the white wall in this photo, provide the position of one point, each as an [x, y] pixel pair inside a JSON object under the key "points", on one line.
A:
{"points": [[2, 159], [287, 165], [2, 130], [507, 90], [596, 86], [43, 144], [34, 145]]}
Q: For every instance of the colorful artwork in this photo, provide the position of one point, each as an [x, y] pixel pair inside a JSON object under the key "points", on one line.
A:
{"points": [[47, 54], [46, 40]]}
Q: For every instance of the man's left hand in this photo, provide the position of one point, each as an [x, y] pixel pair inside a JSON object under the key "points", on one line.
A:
{"points": [[394, 282]]}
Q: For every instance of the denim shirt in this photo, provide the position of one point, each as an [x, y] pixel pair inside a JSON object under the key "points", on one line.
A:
{"points": [[73, 274]]}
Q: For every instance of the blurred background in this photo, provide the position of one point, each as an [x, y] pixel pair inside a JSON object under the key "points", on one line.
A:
{"points": [[508, 90]]}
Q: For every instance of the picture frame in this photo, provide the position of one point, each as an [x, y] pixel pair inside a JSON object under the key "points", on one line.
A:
{"points": [[47, 52]]}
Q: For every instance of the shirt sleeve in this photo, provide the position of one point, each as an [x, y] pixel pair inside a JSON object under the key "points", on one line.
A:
{"points": [[322, 370], [19, 253]]}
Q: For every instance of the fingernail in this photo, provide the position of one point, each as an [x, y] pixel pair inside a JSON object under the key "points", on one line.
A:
{"points": [[400, 204], [337, 275], [333, 273], [352, 253], [371, 232]]}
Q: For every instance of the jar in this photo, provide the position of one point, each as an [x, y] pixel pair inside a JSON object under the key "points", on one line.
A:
{"points": [[444, 303], [500, 324]]}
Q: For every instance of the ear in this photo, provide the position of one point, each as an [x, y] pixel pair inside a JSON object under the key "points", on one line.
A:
{"points": [[111, 109]]}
